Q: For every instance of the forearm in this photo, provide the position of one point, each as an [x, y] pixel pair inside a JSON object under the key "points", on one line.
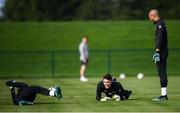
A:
{"points": [[98, 96]]}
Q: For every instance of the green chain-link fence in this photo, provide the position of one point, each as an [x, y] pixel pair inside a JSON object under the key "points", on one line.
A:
{"points": [[65, 63]]}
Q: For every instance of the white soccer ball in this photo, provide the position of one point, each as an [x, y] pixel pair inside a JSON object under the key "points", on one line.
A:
{"points": [[122, 76], [140, 76]]}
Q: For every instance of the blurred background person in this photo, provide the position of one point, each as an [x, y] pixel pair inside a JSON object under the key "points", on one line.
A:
{"points": [[2, 5], [84, 58]]}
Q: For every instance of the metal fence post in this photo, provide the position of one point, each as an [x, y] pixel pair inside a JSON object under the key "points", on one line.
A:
{"points": [[53, 63], [109, 61]]}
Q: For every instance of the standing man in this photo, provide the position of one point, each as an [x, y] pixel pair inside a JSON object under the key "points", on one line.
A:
{"points": [[161, 52], [83, 50]]}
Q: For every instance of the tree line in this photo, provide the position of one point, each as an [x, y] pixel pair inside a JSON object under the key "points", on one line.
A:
{"points": [[67, 10]]}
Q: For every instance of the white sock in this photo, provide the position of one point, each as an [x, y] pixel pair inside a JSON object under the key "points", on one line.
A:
{"points": [[51, 92], [163, 91]]}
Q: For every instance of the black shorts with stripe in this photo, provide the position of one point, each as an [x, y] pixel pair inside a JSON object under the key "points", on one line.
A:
{"points": [[84, 63]]}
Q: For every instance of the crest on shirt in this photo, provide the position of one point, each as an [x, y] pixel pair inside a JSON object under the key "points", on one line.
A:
{"points": [[159, 26]]}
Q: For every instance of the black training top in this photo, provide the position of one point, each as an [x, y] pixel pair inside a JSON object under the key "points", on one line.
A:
{"points": [[161, 36], [116, 88]]}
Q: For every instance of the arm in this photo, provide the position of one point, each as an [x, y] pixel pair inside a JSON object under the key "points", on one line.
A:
{"points": [[120, 87], [98, 92], [159, 37], [82, 53], [120, 90], [159, 40]]}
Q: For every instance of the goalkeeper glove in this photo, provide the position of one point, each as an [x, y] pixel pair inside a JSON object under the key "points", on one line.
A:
{"points": [[156, 57], [105, 99], [116, 97]]}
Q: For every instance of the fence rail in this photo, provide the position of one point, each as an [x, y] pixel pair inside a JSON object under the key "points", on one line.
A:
{"points": [[65, 63]]}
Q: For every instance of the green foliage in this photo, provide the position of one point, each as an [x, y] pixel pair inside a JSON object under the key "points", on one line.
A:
{"points": [[52, 10]]}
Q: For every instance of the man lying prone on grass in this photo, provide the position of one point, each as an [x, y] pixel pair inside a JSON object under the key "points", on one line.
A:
{"points": [[112, 89]]}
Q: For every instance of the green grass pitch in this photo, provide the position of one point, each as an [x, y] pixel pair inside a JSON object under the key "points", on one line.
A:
{"points": [[80, 97]]}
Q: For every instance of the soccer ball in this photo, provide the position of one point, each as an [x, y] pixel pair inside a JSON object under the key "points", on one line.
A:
{"points": [[140, 76], [122, 76]]}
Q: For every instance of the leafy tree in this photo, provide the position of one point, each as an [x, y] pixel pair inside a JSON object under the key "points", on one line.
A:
{"points": [[53, 10]]}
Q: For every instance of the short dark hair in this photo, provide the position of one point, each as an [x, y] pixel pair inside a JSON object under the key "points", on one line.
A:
{"points": [[107, 76]]}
